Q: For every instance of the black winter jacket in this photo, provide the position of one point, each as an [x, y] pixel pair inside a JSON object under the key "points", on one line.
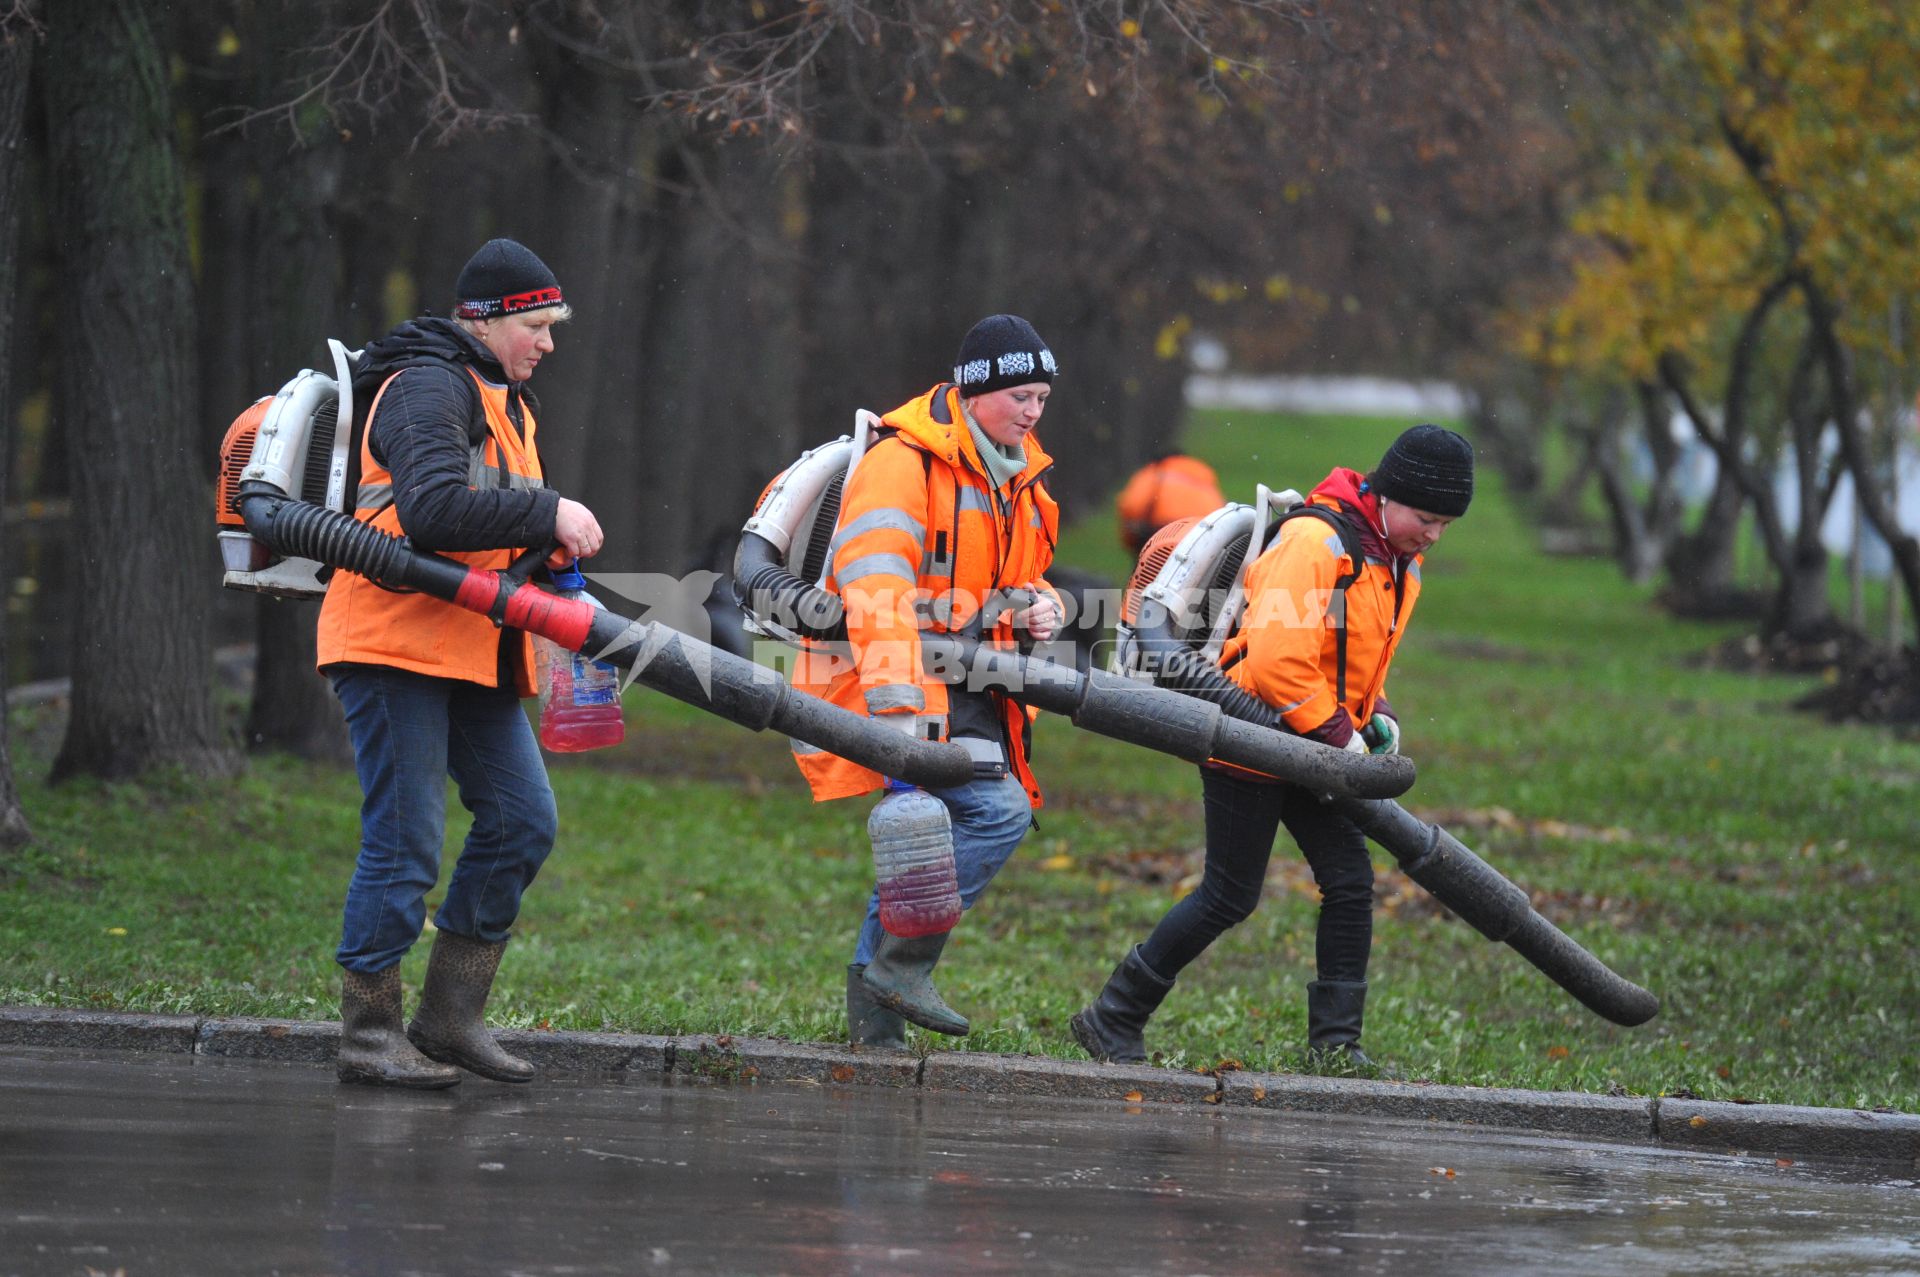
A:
{"points": [[424, 433]]}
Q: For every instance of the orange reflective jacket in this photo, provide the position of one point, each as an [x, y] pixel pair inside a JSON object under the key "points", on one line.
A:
{"points": [[1163, 490], [364, 624], [924, 540], [1285, 650]]}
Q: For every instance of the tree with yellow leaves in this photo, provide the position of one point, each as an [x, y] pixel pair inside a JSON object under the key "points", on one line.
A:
{"points": [[1756, 236]]}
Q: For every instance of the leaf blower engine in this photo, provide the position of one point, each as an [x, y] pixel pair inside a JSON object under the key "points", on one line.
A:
{"points": [[300, 441]]}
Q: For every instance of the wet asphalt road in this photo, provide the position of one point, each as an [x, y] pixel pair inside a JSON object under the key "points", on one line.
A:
{"points": [[142, 1165]]}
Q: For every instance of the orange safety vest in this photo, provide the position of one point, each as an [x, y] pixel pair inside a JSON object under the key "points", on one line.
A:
{"points": [[364, 624], [1286, 649], [924, 540]]}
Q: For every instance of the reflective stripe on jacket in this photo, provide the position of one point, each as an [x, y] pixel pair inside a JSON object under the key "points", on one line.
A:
{"points": [[364, 624], [924, 540], [1285, 650]]}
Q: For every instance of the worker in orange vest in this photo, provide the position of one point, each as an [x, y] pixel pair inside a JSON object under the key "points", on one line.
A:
{"points": [[1169, 487], [1324, 667], [448, 460], [945, 514]]}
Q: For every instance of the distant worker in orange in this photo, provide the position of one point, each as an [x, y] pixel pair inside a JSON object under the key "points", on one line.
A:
{"points": [[1171, 486]]}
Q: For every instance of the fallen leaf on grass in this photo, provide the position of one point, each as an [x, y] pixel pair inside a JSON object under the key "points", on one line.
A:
{"points": [[1558, 1053], [1057, 863]]}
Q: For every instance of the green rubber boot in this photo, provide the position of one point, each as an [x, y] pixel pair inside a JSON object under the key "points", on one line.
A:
{"points": [[868, 1023], [900, 978]]}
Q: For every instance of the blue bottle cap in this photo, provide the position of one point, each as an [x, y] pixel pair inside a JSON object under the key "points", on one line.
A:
{"points": [[568, 577]]}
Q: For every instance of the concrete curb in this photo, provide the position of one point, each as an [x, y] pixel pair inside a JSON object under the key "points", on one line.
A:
{"points": [[1772, 1130]]}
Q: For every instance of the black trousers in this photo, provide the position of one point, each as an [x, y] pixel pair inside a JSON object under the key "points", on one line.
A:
{"points": [[1243, 817]]}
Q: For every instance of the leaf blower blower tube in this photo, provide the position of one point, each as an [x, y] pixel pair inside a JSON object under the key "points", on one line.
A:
{"points": [[1447, 868], [1106, 704], [677, 664], [765, 589], [1497, 909]]}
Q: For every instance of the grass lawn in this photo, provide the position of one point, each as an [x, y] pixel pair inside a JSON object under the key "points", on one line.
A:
{"points": [[1752, 866]]}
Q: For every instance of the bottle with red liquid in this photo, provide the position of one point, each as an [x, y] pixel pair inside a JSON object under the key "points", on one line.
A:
{"points": [[912, 839], [580, 708]]}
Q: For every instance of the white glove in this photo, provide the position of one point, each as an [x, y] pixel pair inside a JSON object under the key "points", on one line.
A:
{"points": [[1355, 745], [1382, 734]]}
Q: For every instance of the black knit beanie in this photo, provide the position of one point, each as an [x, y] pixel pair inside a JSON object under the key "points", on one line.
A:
{"points": [[503, 278], [1001, 351], [1428, 468]]}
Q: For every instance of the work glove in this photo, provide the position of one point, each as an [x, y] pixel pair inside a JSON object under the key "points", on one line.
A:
{"points": [[1355, 745], [1382, 734]]}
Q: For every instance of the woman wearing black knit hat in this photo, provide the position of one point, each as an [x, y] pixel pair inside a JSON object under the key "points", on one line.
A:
{"points": [[1363, 544], [946, 515], [449, 459]]}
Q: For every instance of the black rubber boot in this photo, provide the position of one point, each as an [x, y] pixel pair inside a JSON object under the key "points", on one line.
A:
{"points": [[1112, 1026], [450, 1026], [900, 978], [868, 1023], [1335, 1009], [372, 1047]]}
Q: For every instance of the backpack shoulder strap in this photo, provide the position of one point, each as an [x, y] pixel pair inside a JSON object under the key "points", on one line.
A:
{"points": [[366, 386]]}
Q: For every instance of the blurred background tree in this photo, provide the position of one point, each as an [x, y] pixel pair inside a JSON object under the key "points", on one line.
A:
{"points": [[767, 213]]}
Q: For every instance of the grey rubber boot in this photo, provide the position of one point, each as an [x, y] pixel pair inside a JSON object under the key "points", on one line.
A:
{"points": [[868, 1023], [372, 1047], [450, 1025], [1335, 1009], [1112, 1027], [900, 978]]}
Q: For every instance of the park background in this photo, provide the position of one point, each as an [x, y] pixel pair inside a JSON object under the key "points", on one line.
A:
{"points": [[1630, 239]]}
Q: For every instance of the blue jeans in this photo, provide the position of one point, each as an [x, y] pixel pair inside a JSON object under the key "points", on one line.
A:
{"points": [[410, 732], [990, 817]]}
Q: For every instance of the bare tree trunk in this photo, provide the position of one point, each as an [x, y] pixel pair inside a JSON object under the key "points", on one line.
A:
{"points": [[1728, 440], [145, 584], [1803, 606], [1854, 449], [295, 278], [1700, 564], [597, 195], [16, 61]]}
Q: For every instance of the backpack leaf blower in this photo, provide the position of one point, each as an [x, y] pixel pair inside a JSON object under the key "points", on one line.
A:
{"points": [[266, 483], [1190, 577]]}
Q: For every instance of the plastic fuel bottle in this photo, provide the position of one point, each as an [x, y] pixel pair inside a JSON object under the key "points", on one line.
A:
{"points": [[913, 863], [580, 708]]}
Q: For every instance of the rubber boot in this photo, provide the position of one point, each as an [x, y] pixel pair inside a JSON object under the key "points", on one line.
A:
{"points": [[1111, 1027], [449, 1026], [372, 1047], [868, 1023], [1335, 1009], [900, 977]]}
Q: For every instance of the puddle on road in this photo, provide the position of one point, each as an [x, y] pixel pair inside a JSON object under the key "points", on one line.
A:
{"points": [[157, 1164]]}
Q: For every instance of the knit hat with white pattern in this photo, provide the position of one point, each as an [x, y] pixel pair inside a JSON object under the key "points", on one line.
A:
{"points": [[1002, 351]]}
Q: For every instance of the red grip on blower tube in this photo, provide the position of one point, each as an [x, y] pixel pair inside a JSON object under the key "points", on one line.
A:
{"points": [[565, 621]]}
